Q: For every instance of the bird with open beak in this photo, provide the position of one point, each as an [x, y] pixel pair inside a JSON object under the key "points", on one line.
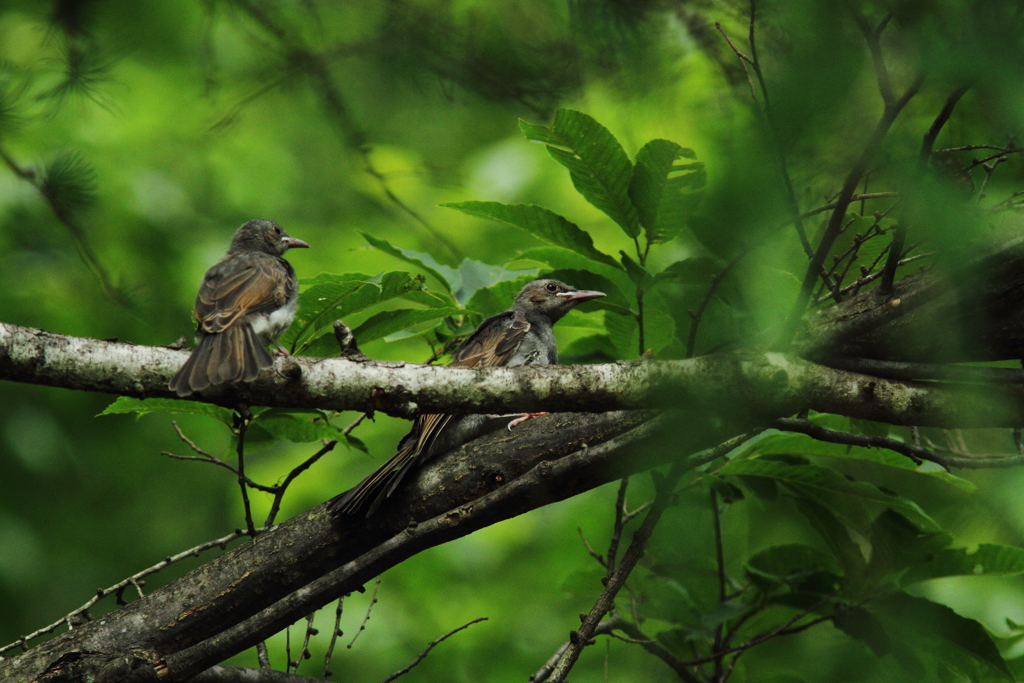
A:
{"points": [[522, 335]]}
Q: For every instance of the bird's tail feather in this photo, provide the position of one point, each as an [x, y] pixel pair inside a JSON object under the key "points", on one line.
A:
{"points": [[377, 486], [236, 354]]}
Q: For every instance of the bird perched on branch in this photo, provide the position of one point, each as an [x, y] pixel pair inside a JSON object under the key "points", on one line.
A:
{"points": [[522, 335], [246, 301]]}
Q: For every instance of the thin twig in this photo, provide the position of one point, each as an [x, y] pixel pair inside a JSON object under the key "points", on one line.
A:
{"points": [[243, 418], [135, 580], [697, 314], [280, 490], [369, 608], [335, 634], [620, 522], [421, 656], [915, 453], [204, 456], [720, 562]]}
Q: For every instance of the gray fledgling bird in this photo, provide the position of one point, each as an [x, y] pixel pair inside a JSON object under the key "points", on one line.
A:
{"points": [[246, 301], [522, 335]]}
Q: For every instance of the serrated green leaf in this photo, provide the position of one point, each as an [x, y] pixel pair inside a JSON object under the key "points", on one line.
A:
{"points": [[922, 617], [692, 271], [442, 273], [787, 442], [323, 303], [387, 323], [539, 222], [488, 301], [987, 560], [559, 258], [299, 426], [837, 535], [665, 190], [598, 166], [475, 275], [788, 564], [862, 625], [828, 481], [126, 405], [897, 543]]}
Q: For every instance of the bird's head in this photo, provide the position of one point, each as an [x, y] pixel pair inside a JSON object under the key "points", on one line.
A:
{"points": [[552, 298], [266, 236]]}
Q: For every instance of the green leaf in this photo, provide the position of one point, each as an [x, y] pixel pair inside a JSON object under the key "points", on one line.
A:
{"points": [[897, 543], [387, 323], [918, 616], [300, 426], [125, 404], [539, 222], [598, 166], [788, 442], [665, 190], [442, 273], [559, 258], [837, 535], [828, 481], [323, 303], [692, 271], [461, 283], [637, 273], [860, 624], [488, 301], [788, 564], [987, 560]]}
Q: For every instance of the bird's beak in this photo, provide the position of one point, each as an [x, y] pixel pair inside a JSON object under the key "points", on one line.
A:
{"points": [[293, 243], [581, 295]]}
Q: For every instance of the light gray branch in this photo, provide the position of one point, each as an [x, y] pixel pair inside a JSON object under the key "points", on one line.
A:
{"points": [[761, 383]]}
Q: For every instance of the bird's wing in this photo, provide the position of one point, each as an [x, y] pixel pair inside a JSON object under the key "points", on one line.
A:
{"points": [[493, 343], [221, 301]]}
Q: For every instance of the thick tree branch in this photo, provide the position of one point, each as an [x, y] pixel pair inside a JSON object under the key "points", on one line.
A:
{"points": [[766, 385]]}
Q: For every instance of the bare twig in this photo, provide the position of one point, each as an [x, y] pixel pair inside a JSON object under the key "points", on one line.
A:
{"points": [[915, 453], [620, 522], [335, 634], [421, 656], [722, 579], [243, 417], [280, 489], [135, 580], [204, 456], [697, 313], [369, 609], [940, 120]]}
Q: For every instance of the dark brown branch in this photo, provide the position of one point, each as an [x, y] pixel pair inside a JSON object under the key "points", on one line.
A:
{"points": [[893, 107], [582, 637], [237, 674], [928, 143], [915, 453]]}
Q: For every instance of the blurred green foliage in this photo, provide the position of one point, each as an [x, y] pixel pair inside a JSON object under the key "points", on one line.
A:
{"points": [[395, 138]]}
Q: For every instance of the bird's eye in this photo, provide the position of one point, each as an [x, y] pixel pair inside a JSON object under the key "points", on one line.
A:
{"points": [[551, 287], [277, 229]]}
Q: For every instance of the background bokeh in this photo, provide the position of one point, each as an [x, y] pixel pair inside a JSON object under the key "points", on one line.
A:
{"points": [[197, 116]]}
